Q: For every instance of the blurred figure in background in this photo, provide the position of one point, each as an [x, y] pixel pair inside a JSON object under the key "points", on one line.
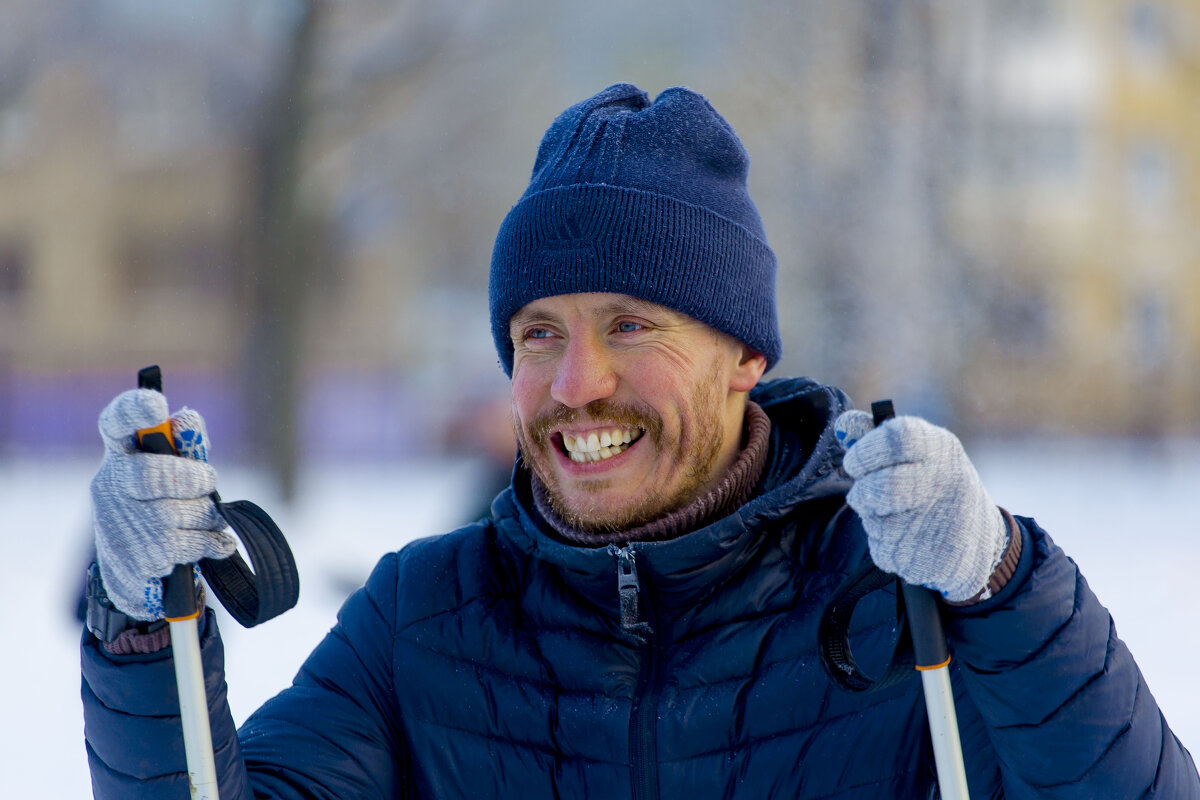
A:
{"points": [[483, 430]]}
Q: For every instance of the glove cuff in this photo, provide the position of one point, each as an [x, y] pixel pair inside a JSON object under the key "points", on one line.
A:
{"points": [[131, 641], [1004, 571]]}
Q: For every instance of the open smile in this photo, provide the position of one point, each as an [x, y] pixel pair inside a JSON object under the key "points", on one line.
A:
{"points": [[588, 446]]}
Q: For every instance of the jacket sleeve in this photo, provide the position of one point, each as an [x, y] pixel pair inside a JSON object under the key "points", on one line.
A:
{"points": [[132, 730], [336, 731], [332, 734], [1064, 704]]}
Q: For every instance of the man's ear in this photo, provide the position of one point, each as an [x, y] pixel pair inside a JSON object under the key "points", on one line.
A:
{"points": [[749, 369]]}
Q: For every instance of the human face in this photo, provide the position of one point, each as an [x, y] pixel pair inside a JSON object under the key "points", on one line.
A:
{"points": [[661, 394]]}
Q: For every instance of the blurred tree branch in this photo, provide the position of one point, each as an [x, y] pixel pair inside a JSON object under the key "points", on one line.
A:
{"points": [[287, 237], [281, 255]]}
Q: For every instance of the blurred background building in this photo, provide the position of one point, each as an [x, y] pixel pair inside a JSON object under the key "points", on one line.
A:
{"points": [[985, 209]]}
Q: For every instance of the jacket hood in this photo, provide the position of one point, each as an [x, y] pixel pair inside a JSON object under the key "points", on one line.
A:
{"points": [[804, 460]]}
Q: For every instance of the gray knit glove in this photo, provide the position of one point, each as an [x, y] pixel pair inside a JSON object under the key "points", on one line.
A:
{"points": [[927, 516], [152, 511]]}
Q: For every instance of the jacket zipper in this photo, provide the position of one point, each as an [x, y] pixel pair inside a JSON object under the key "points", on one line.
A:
{"points": [[643, 722]]}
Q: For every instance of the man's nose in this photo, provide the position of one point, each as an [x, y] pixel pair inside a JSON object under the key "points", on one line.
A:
{"points": [[585, 373]]}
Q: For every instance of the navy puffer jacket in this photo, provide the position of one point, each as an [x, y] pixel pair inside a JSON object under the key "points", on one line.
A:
{"points": [[497, 662]]}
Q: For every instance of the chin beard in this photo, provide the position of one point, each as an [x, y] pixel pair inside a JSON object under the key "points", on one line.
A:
{"points": [[600, 521]]}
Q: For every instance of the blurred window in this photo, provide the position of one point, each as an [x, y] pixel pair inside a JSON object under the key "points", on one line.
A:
{"points": [[1150, 178], [193, 17], [161, 116], [1055, 149], [186, 263], [14, 269], [1036, 150], [1020, 320], [1146, 32], [1020, 20], [367, 214], [1151, 328], [16, 126]]}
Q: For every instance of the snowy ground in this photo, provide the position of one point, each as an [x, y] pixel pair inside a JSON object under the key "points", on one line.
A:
{"points": [[1128, 513]]}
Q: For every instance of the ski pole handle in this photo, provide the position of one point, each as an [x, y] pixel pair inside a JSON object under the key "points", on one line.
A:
{"points": [[179, 590], [932, 655], [925, 623]]}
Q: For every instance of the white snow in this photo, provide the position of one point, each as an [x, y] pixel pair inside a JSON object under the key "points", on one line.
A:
{"points": [[1129, 514]]}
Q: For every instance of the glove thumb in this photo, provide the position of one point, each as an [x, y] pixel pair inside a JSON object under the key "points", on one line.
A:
{"points": [[190, 434], [851, 426]]}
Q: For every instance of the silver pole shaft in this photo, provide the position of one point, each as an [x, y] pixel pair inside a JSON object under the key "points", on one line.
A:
{"points": [[943, 727], [193, 709]]}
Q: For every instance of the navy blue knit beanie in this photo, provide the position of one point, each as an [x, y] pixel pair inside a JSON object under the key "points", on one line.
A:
{"points": [[644, 199]]}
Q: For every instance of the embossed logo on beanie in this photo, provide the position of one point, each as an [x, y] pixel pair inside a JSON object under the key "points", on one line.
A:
{"points": [[566, 251], [567, 234]]}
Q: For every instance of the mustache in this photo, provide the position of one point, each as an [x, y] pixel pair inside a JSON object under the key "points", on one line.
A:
{"points": [[626, 415]]}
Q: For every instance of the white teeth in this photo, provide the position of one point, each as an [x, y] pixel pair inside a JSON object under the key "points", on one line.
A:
{"points": [[596, 446]]}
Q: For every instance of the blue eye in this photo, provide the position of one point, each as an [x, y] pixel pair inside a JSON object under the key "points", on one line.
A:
{"points": [[628, 327], [538, 333]]}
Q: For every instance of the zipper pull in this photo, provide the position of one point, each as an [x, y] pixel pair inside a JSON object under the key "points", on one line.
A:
{"points": [[627, 590]]}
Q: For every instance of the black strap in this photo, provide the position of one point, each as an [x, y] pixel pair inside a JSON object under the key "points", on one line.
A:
{"points": [[833, 640], [274, 585]]}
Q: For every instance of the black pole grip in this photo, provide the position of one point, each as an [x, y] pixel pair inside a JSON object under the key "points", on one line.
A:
{"points": [[882, 411], [179, 588], [921, 606], [925, 626], [150, 378]]}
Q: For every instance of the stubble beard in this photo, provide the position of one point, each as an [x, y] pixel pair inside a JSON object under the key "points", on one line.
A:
{"points": [[697, 447]]}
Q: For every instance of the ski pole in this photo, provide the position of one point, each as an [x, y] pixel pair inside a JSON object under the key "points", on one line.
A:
{"points": [[933, 662], [179, 602]]}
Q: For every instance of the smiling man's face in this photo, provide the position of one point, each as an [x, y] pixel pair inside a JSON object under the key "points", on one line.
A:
{"points": [[626, 410]]}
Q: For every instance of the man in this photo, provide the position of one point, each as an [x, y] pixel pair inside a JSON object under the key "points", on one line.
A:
{"points": [[639, 617]]}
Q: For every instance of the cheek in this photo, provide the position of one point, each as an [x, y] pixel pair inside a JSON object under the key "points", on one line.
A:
{"points": [[667, 390], [698, 405], [526, 393]]}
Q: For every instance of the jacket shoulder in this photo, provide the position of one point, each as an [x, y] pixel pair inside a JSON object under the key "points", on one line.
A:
{"points": [[439, 574]]}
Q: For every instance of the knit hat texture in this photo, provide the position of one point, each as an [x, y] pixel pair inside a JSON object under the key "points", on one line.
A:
{"points": [[642, 198]]}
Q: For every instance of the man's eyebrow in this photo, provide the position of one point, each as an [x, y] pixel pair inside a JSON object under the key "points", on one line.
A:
{"points": [[526, 316], [657, 314]]}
